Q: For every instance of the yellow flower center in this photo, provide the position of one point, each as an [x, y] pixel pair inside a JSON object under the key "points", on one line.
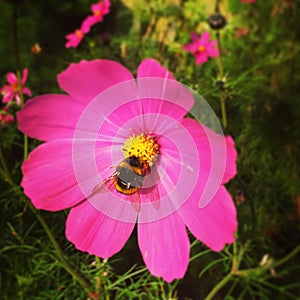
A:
{"points": [[201, 49], [97, 13], [143, 146], [79, 33]]}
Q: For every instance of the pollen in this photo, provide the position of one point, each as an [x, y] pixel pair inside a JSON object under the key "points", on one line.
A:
{"points": [[79, 33], [143, 146], [201, 49]]}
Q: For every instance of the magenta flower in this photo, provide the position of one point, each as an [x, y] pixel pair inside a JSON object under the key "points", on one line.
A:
{"points": [[75, 38], [118, 151], [15, 88], [248, 1], [5, 117], [202, 47], [100, 9]]}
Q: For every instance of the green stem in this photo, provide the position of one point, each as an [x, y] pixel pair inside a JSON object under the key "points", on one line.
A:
{"points": [[221, 76], [252, 271], [60, 253], [47, 229], [25, 146], [5, 172], [217, 287], [247, 272], [223, 110]]}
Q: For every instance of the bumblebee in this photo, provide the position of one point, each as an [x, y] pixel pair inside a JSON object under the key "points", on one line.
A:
{"points": [[130, 174]]}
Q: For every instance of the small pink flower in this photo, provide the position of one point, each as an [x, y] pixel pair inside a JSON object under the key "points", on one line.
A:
{"points": [[75, 38], [202, 47], [166, 164], [248, 1], [5, 117], [15, 88], [100, 9]]}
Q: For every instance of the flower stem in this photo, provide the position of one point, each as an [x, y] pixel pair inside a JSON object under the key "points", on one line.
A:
{"points": [[60, 253], [44, 224], [221, 76], [5, 170], [217, 287], [253, 271]]}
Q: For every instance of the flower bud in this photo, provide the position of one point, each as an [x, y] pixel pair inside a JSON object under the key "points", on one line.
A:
{"points": [[217, 21]]}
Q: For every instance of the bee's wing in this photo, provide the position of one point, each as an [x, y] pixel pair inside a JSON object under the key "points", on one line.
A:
{"points": [[101, 187]]}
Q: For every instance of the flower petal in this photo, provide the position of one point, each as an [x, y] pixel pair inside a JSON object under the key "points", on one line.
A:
{"points": [[164, 245], [217, 159], [85, 80], [24, 76], [214, 224], [204, 39], [50, 117], [49, 179], [151, 68], [201, 58], [230, 169], [26, 91], [91, 231], [11, 78]]}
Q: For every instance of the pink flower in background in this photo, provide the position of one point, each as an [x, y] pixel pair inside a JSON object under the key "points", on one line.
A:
{"points": [[100, 9], [5, 117], [202, 47], [74, 39], [15, 88], [248, 1], [163, 164]]}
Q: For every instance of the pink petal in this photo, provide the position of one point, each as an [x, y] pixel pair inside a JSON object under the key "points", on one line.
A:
{"points": [[190, 47], [194, 37], [217, 159], [12, 78], [85, 80], [50, 117], [164, 245], [91, 231], [151, 68], [88, 23], [230, 169], [214, 224], [204, 39], [201, 58], [49, 179], [26, 91], [24, 77], [212, 49], [8, 96], [73, 40]]}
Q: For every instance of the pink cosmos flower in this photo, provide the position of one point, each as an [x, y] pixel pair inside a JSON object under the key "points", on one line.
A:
{"points": [[248, 1], [74, 39], [100, 9], [202, 47], [119, 152], [15, 88]]}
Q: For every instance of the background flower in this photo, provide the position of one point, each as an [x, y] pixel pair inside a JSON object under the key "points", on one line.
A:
{"points": [[202, 48], [15, 88]]}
